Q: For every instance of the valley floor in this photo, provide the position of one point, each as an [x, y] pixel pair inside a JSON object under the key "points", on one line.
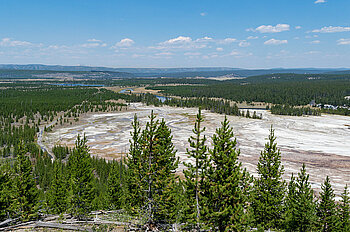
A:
{"points": [[321, 142]]}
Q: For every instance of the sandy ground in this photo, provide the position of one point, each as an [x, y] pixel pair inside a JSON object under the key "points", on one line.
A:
{"points": [[322, 143]]}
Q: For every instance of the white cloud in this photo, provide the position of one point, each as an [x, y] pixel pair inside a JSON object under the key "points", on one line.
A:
{"points": [[315, 42], [183, 42], [331, 29], [239, 54], [178, 40], [204, 39], [219, 49], [7, 42], [192, 54], [227, 41], [320, 1], [298, 27], [312, 52], [343, 42], [252, 37], [203, 14], [275, 42], [90, 45], [271, 29], [124, 43], [93, 43], [137, 55], [55, 47], [94, 40], [244, 44], [164, 54]]}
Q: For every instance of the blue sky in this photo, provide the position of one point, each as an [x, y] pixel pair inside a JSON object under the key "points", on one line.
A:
{"points": [[182, 33]]}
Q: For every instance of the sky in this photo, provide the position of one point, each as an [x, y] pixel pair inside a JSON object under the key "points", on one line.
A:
{"points": [[182, 33]]}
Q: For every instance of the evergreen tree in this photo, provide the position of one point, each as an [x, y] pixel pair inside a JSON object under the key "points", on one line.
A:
{"points": [[327, 208], [151, 165], [115, 188], [344, 211], [195, 174], [300, 204], [229, 183], [25, 192], [165, 181], [148, 144], [57, 196], [135, 163], [5, 190], [269, 188], [158, 151], [81, 178]]}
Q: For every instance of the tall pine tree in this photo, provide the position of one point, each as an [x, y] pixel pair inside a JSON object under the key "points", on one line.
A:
{"points": [[58, 194], [344, 211], [151, 165], [25, 192], [269, 187], [136, 185], [300, 204], [5, 190], [195, 174], [229, 192], [115, 187], [328, 220], [165, 181], [81, 179]]}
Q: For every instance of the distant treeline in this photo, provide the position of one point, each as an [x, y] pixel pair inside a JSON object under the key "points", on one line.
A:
{"points": [[293, 77], [19, 102], [213, 105], [294, 111], [162, 81], [285, 93], [339, 111]]}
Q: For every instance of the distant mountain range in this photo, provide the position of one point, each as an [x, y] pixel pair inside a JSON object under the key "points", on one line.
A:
{"points": [[173, 72], [89, 68]]}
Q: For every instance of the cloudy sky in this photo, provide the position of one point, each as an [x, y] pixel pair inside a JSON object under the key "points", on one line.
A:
{"points": [[182, 33]]}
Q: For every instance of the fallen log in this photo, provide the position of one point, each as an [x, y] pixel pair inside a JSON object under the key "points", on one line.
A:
{"points": [[98, 222], [61, 226], [16, 226], [6, 222], [106, 212]]}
